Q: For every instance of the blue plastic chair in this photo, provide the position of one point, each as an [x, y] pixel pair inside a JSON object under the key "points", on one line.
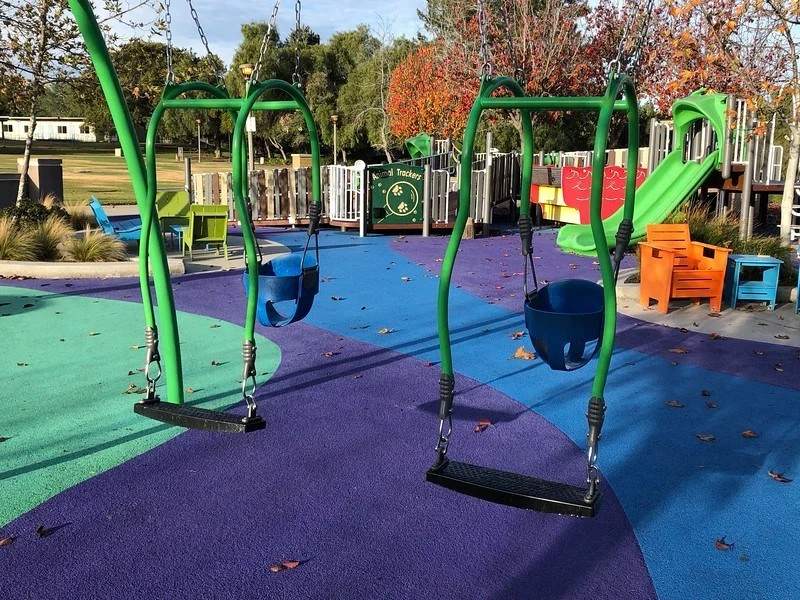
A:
{"points": [[126, 230], [562, 318]]}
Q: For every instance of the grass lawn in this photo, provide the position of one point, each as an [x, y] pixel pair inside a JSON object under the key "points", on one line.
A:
{"points": [[92, 169]]}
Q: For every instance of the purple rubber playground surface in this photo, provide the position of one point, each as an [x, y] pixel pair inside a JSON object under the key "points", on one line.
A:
{"points": [[336, 481]]}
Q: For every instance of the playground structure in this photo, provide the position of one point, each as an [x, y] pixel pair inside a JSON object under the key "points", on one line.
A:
{"points": [[422, 198], [293, 280], [698, 150]]}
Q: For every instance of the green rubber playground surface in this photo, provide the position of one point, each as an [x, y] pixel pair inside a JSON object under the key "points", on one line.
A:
{"points": [[61, 424]]}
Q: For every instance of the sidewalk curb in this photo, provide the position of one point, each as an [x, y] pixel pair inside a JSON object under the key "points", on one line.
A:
{"points": [[79, 270]]}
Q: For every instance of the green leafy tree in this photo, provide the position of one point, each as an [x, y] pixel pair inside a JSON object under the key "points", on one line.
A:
{"points": [[41, 45]]}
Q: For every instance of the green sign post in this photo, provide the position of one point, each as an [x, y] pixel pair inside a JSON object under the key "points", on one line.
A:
{"points": [[396, 194]]}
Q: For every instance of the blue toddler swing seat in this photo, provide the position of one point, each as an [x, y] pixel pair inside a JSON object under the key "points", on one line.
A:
{"points": [[287, 278]]}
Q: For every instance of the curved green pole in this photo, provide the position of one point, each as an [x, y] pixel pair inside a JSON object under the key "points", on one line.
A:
{"points": [[109, 83], [170, 343], [240, 188], [467, 154], [617, 83]]}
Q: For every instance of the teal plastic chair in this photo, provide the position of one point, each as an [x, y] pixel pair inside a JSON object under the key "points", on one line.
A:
{"points": [[127, 230]]}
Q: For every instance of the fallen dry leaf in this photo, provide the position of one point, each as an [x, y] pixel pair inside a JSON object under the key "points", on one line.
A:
{"points": [[385, 331], [7, 541], [214, 363], [721, 544], [523, 354], [779, 477], [778, 367], [276, 568], [291, 564], [481, 426], [749, 433], [705, 393], [189, 391], [705, 437], [780, 336], [674, 404], [337, 298], [3, 439], [405, 279], [696, 324], [19, 364], [758, 353], [214, 326], [42, 531], [684, 330], [714, 314], [427, 363], [329, 354], [711, 405], [716, 336], [92, 333], [517, 334], [673, 363], [136, 346], [679, 350]]}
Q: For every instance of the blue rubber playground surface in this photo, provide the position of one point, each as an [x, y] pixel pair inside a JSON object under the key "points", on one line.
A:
{"points": [[335, 485]]}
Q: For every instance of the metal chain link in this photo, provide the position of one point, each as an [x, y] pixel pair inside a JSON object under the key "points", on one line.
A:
{"points": [[218, 68], [507, 25], [168, 21], [265, 41], [296, 74], [633, 61], [486, 65]]}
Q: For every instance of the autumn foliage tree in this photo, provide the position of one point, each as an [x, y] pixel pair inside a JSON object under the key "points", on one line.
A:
{"points": [[422, 98], [748, 48]]}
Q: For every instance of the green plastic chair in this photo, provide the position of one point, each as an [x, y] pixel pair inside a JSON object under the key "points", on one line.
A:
{"points": [[208, 226], [173, 212]]}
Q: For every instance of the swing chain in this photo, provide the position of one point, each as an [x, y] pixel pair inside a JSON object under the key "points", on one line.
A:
{"points": [[518, 73], [526, 238], [633, 59], [265, 41], [249, 373], [151, 356], [168, 24], [447, 386], [212, 59], [296, 74], [486, 66], [444, 438]]}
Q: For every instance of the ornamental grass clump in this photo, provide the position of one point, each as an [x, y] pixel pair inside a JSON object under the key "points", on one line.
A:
{"points": [[79, 217], [48, 238], [94, 246], [16, 243]]}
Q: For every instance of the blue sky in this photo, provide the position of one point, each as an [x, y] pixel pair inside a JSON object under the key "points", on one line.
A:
{"points": [[222, 19]]}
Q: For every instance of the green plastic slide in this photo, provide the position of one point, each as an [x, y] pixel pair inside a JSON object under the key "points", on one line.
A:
{"points": [[668, 186]]}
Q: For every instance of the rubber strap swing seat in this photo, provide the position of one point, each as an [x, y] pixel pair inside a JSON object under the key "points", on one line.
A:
{"points": [[569, 321]]}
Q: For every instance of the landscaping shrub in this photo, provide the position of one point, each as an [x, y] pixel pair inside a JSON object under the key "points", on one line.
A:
{"points": [[16, 243], [94, 246], [48, 237], [30, 213], [79, 217]]}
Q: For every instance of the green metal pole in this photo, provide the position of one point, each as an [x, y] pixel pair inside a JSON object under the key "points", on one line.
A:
{"points": [[228, 104], [93, 38], [589, 103], [255, 91], [467, 154], [596, 221], [171, 355]]}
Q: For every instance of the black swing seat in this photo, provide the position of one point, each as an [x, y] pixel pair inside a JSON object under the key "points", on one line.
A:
{"points": [[197, 418], [512, 489]]}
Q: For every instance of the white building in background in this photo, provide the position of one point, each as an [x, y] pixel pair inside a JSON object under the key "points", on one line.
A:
{"points": [[71, 129]]}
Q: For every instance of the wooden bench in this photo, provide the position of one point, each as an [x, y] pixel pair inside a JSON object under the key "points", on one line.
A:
{"points": [[673, 266]]}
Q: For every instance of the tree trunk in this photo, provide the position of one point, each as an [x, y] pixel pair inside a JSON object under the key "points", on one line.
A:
{"points": [[41, 48], [788, 199]]}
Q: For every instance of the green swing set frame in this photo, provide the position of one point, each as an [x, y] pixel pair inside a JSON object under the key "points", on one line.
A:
{"points": [[162, 339], [491, 484]]}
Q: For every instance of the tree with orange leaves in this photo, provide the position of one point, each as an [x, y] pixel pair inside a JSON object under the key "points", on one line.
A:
{"points": [[749, 48]]}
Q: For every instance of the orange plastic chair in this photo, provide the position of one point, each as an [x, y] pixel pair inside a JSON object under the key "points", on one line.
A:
{"points": [[673, 266]]}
